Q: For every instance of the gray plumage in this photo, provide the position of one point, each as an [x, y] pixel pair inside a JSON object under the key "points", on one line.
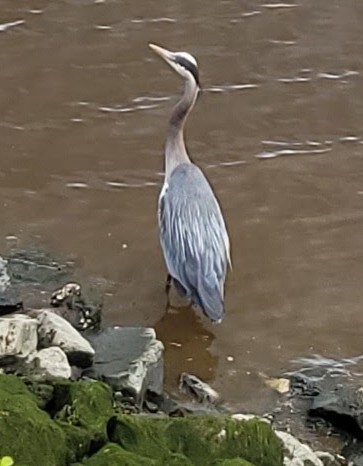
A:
{"points": [[193, 234]]}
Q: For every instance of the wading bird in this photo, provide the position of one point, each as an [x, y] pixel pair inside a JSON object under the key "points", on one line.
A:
{"points": [[193, 234]]}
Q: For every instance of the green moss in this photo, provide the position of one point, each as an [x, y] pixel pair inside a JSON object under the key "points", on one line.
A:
{"points": [[234, 462], [85, 408], [198, 440], [113, 455], [28, 434]]}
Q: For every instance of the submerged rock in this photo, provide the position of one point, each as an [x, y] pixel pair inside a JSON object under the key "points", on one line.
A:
{"points": [[129, 359], [35, 266], [56, 331], [200, 390], [18, 336]]}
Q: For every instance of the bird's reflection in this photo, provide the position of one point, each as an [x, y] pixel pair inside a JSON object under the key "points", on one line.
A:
{"points": [[187, 342]]}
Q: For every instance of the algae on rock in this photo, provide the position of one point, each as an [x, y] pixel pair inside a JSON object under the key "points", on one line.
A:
{"points": [[28, 434], [85, 424], [198, 440], [82, 410]]}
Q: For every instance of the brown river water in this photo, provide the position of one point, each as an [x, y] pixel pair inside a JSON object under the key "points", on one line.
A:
{"points": [[277, 130]]}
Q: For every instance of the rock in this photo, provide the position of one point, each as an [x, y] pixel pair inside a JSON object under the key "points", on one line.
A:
{"points": [[83, 409], [49, 362], [113, 455], [10, 300], [196, 440], [18, 336], [4, 276], [200, 390], [83, 309], [55, 331], [342, 407], [297, 453], [129, 359], [70, 290], [35, 266], [28, 434], [353, 452]]}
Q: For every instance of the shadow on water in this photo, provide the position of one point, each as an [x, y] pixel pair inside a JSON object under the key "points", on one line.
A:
{"points": [[187, 344]]}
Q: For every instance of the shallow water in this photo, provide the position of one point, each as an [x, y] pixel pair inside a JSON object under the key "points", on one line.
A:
{"points": [[278, 131]]}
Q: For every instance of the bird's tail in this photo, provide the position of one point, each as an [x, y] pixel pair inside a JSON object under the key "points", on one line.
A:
{"points": [[209, 297]]}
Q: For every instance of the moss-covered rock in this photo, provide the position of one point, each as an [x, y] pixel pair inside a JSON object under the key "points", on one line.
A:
{"points": [[198, 440], [82, 410], [235, 462], [27, 433], [113, 455], [80, 422]]}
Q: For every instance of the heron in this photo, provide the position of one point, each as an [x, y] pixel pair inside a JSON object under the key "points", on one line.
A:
{"points": [[193, 234]]}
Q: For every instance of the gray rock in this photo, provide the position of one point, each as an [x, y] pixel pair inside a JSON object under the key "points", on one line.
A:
{"points": [[201, 391], [130, 359], [4, 276], [18, 336], [81, 308], [35, 266], [10, 299], [342, 407], [353, 453], [49, 362], [55, 331], [297, 453]]}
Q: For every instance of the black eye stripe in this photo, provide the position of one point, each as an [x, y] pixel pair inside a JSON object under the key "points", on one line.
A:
{"points": [[188, 66]]}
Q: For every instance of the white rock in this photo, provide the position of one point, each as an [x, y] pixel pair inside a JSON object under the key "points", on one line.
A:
{"points": [[50, 362], [18, 335], [297, 453], [55, 331]]}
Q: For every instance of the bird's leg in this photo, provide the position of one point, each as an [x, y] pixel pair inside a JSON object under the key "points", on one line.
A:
{"points": [[167, 290], [168, 284]]}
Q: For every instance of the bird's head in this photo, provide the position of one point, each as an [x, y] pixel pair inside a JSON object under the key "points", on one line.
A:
{"points": [[182, 62]]}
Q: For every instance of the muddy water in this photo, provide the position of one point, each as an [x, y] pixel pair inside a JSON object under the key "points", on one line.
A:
{"points": [[278, 131]]}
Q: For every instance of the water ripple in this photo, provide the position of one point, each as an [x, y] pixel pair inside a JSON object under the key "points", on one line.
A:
{"points": [[150, 99], [306, 75], [275, 6], [124, 109], [249, 14], [122, 184], [5, 26], [345, 74], [330, 365], [227, 164], [154, 20], [230, 87], [77, 185], [282, 42], [282, 148]]}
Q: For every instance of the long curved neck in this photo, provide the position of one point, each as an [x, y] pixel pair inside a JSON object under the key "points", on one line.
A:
{"points": [[175, 151]]}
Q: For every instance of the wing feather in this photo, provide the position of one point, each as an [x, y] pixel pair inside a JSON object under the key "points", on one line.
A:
{"points": [[194, 238]]}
